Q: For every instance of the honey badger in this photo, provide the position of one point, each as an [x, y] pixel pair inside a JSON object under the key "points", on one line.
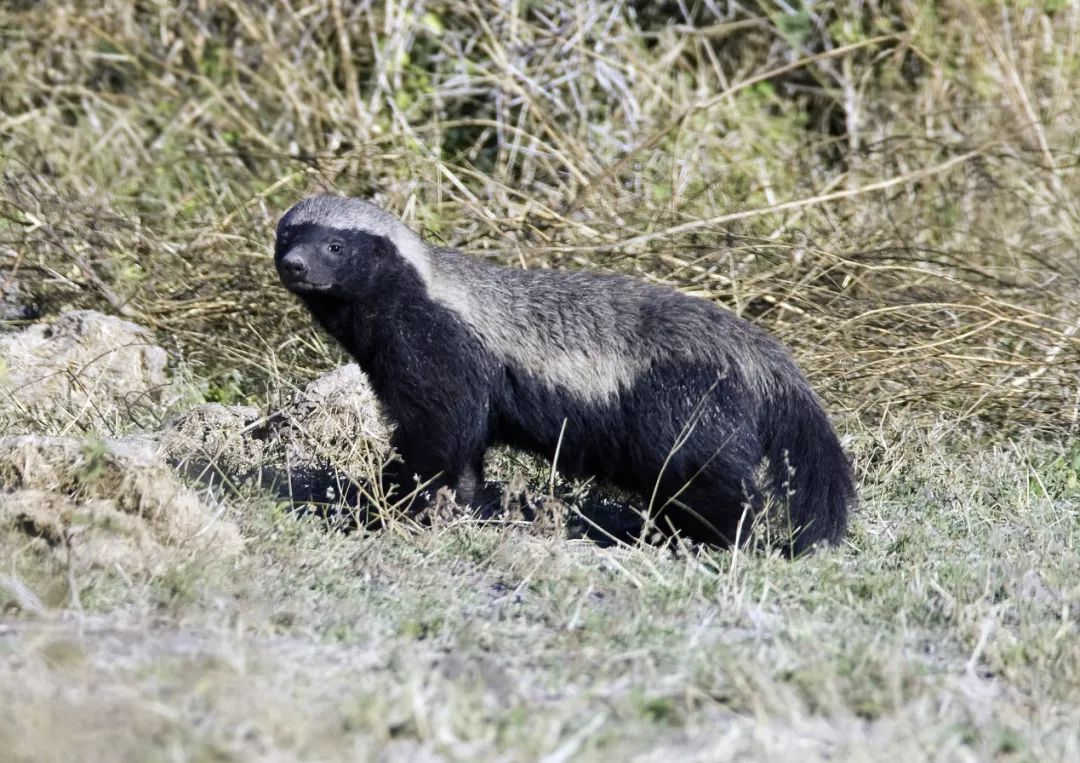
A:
{"points": [[657, 392]]}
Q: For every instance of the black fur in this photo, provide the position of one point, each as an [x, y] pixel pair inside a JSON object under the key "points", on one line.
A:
{"points": [[688, 432]]}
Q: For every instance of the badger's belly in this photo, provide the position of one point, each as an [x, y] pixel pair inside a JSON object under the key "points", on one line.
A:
{"points": [[678, 417], [535, 415]]}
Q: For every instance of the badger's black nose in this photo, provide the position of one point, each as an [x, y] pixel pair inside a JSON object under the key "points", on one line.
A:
{"points": [[294, 268]]}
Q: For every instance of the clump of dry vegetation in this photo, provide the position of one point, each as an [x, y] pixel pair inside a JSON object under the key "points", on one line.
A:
{"points": [[71, 511], [890, 186]]}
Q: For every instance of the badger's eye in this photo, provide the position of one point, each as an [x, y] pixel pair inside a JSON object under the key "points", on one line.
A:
{"points": [[334, 248]]}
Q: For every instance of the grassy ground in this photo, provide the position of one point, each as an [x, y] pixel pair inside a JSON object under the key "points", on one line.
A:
{"points": [[944, 630], [890, 187]]}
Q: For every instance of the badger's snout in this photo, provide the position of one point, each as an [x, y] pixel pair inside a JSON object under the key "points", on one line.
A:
{"points": [[294, 267], [302, 271]]}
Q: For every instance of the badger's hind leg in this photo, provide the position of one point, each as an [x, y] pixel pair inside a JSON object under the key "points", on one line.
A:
{"points": [[717, 509]]}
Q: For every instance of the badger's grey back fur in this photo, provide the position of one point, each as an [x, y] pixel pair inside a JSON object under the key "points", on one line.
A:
{"points": [[648, 386]]}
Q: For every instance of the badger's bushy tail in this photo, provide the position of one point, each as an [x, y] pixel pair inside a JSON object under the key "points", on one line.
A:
{"points": [[809, 473]]}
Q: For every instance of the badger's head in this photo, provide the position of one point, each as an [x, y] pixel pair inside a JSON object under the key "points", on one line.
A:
{"points": [[345, 249]]}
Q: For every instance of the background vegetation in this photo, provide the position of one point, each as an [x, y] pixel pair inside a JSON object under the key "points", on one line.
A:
{"points": [[891, 187]]}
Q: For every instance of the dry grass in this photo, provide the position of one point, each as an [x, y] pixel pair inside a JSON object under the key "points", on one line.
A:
{"points": [[889, 186], [892, 190]]}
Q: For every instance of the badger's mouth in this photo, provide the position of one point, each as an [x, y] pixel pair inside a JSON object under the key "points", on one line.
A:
{"points": [[307, 287]]}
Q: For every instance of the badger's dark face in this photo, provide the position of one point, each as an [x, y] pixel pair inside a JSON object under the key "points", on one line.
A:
{"points": [[317, 261]]}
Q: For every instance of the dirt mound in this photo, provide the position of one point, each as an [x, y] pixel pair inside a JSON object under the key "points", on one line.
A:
{"points": [[84, 369], [100, 505], [317, 453], [337, 410], [335, 419], [232, 438]]}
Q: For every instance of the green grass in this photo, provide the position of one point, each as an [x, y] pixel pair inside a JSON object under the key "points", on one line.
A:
{"points": [[891, 188]]}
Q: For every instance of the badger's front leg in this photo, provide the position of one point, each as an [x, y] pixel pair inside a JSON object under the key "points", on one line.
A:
{"points": [[469, 483], [426, 465]]}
